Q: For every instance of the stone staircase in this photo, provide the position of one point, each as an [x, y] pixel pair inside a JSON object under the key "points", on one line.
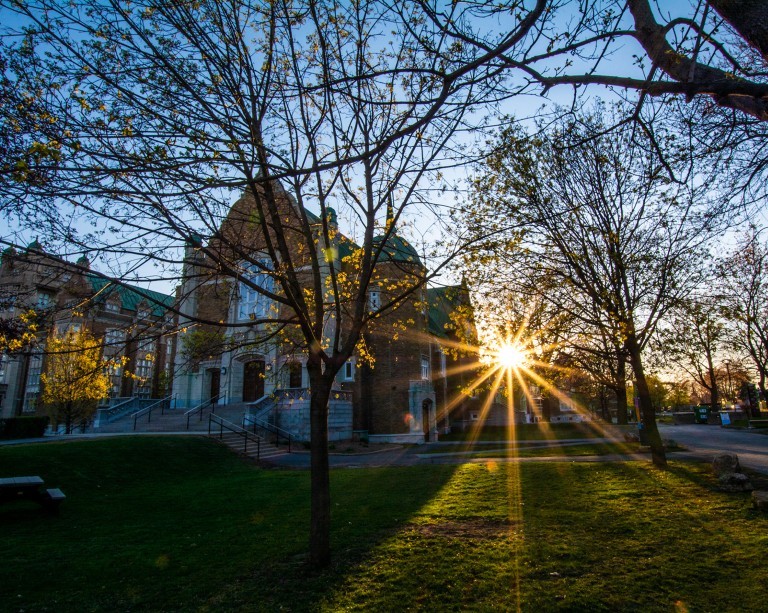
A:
{"points": [[227, 418], [263, 452]]}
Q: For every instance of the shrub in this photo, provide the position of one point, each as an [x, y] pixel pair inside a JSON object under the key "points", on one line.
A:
{"points": [[23, 427]]}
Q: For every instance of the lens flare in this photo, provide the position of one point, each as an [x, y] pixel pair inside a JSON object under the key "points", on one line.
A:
{"points": [[510, 356]]}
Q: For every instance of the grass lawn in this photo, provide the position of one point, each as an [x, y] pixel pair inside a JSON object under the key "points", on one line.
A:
{"points": [[167, 524]]}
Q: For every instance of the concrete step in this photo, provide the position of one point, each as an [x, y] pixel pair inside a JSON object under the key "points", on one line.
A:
{"points": [[173, 420], [265, 450]]}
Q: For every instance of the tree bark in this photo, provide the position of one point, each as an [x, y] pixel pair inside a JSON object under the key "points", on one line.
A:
{"points": [[320, 489], [726, 89], [749, 18], [647, 412], [714, 390], [621, 392]]}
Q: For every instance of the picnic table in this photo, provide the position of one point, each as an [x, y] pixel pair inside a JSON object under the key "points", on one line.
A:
{"points": [[30, 488]]}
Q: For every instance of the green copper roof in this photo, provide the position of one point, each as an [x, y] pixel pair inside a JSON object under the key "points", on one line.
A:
{"points": [[397, 249], [442, 302], [131, 296]]}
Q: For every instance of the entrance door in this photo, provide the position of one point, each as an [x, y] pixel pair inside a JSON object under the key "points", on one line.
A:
{"points": [[425, 407], [253, 380], [215, 388]]}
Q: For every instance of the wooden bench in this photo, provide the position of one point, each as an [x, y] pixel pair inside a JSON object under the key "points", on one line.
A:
{"points": [[54, 498], [30, 488]]}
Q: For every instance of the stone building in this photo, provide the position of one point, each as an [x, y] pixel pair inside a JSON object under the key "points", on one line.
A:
{"points": [[405, 393], [130, 322]]}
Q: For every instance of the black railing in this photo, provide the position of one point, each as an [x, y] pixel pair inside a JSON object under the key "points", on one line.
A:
{"points": [[117, 410], [200, 409], [264, 403], [160, 404], [253, 424], [223, 424]]}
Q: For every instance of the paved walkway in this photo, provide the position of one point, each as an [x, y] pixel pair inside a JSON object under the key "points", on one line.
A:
{"points": [[427, 454], [702, 443]]}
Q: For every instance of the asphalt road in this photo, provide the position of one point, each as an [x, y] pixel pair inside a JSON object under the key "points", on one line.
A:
{"points": [[705, 441]]}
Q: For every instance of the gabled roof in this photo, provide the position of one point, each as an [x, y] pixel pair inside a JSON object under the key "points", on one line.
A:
{"points": [[397, 249], [131, 296], [443, 301]]}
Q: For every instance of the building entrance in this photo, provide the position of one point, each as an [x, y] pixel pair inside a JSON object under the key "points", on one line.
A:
{"points": [[253, 380]]}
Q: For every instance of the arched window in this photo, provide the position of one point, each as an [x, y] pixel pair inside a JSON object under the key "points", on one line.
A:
{"points": [[253, 303]]}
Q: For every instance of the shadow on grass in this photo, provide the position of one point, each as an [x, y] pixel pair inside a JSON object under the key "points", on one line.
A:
{"points": [[171, 523], [182, 524]]}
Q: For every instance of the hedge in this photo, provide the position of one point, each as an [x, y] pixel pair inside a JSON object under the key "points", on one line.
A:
{"points": [[23, 427]]}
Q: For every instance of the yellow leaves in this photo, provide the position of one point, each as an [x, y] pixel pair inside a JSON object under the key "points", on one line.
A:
{"points": [[40, 151], [75, 371], [330, 253], [19, 334]]}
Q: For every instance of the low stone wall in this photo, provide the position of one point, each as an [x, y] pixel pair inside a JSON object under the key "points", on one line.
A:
{"points": [[294, 417], [408, 439]]}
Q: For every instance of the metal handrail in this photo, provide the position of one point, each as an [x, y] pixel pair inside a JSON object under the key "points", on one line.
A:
{"points": [[148, 410], [201, 407], [262, 404], [223, 423], [118, 410], [249, 420]]}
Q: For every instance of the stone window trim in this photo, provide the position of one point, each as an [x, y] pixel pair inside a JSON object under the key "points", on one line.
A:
{"points": [[347, 372], [374, 299]]}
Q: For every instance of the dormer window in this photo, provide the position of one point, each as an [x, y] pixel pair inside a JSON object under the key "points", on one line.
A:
{"points": [[348, 371], [374, 299], [112, 307], [425, 368]]}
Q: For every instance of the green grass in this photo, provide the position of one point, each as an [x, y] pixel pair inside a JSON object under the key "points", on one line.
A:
{"points": [[527, 432], [180, 524]]}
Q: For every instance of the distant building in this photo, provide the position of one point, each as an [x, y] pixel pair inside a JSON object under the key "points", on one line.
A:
{"points": [[130, 322], [408, 394]]}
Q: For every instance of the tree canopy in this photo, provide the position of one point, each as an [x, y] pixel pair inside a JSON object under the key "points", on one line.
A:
{"points": [[76, 378], [592, 209]]}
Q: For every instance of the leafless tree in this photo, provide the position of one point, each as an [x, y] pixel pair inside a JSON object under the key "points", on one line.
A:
{"points": [[595, 211], [134, 126]]}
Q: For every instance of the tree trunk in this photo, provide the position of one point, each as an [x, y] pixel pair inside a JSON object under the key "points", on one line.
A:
{"points": [[647, 413], [714, 391], [621, 405], [68, 419], [621, 391], [320, 496]]}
